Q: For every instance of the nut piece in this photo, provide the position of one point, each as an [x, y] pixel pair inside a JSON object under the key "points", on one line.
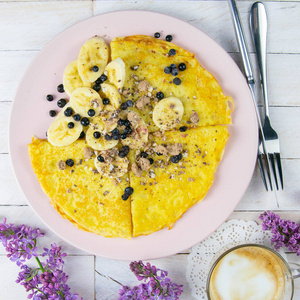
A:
{"points": [[61, 165], [175, 149], [194, 117], [142, 102], [144, 164], [137, 171], [161, 149], [144, 85], [88, 153]]}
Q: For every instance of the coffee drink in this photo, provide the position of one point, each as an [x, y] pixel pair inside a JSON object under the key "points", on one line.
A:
{"points": [[248, 273]]}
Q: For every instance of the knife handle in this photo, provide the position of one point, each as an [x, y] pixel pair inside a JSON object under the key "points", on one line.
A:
{"points": [[259, 25], [241, 41]]}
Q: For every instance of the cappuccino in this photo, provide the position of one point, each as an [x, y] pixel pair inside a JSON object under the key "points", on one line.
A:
{"points": [[248, 273]]}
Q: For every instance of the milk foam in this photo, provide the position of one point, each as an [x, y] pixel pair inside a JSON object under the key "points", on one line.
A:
{"points": [[247, 276]]}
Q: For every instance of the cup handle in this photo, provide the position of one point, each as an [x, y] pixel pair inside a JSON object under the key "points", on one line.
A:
{"points": [[295, 272]]}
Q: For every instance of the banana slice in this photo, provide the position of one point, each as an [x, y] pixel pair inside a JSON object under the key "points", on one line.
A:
{"points": [[104, 123], [72, 79], [168, 113], [59, 134], [116, 72], [111, 167], [92, 59], [111, 92], [139, 136], [98, 124], [83, 99]]}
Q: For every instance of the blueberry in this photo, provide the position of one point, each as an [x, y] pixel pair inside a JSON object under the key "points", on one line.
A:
{"points": [[60, 88], [96, 134], [125, 197], [103, 77], [100, 158], [172, 52], [49, 97], [167, 70], [175, 72], [124, 106], [105, 101], [127, 130], [160, 95], [129, 190], [71, 125], [70, 162], [97, 87], [61, 103], [123, 136], [172, 66], [91, 112], [183, 128], [157, 35], [169, 38], [82, 134], [121, 154], [68, 112], [115, 131], [77, 117], [121, 122], [159, 154], [108, 137], [144, 154], [182, 66], [176, 158], [85, 121], [176, 81], [127, 123], [116, 137], [95, 69], [151, 160], [129, 103], [52, 113], [125, 149], [98, 81]]}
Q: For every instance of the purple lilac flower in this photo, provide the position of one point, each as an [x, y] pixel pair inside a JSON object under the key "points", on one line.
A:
{"points": [[19, 241], [156, 284], [285, 232], [48, 281]]}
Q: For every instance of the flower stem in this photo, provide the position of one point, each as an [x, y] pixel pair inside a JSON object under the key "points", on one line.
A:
{"points": [[38, 261]]}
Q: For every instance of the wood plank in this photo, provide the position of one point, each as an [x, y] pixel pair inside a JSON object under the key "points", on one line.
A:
{"points": [[80, 282], [31, 25], [283, 85], [213, 18]]}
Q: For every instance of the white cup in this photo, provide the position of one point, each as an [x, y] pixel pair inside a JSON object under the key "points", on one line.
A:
{"points": [[251, 272]]}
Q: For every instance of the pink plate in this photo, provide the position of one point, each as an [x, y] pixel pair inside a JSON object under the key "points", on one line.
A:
{"points": [[30, 117]]}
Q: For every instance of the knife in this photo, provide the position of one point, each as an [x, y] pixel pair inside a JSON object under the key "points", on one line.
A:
{"points": [[249, 76]]}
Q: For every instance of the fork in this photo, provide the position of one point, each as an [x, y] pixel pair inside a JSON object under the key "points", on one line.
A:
{"points": [[258, 22]]}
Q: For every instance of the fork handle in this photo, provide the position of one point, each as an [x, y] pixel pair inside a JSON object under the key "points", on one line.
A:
{"points": [[258, 24]]}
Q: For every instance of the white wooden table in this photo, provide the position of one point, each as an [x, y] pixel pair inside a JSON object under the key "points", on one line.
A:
{"points": [[25, 28]]}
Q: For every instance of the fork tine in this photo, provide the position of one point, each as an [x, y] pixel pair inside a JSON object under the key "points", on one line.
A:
{"points": [[261, 169], [272, 160], [279, 168]]}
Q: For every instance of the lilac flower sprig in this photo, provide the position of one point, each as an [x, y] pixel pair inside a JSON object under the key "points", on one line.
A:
{"points": [[156, 284], [48, 281], [285, 232]]}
